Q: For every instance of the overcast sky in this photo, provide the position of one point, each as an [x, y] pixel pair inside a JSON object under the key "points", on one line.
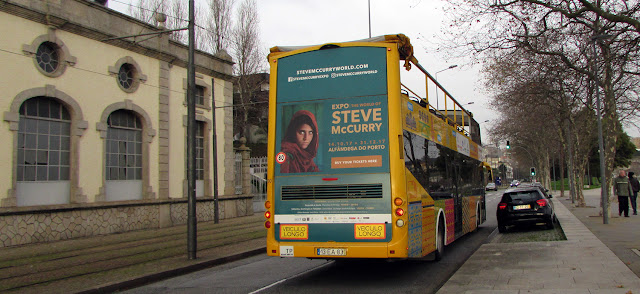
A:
{"points": [[311, 22]]}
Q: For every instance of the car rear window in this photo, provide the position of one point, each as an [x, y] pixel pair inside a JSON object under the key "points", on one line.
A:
{"points": [[525, 196]]}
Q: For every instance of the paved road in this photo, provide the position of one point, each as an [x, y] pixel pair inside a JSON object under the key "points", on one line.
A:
{"points": [[263, 274]]}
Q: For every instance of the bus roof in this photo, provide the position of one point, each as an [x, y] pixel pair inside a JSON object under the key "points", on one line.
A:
{"points": [[403, 42]]}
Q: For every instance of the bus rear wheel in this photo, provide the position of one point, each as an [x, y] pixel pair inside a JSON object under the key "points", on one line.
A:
{"points": [[478, 221], [440, 240]]}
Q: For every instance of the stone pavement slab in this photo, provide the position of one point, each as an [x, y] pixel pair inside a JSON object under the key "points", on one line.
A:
{"points": [[621, 235]]}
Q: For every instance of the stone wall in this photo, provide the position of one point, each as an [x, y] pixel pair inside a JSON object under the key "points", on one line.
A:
{"points": [[48, 224]]}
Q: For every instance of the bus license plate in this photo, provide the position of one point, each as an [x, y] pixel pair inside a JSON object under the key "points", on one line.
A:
{"points": [[332, 251], [520, 207]]}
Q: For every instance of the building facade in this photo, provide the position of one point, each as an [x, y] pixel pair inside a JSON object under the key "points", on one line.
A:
{"points": [[94, 126]]}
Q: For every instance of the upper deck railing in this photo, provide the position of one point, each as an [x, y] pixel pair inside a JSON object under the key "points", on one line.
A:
{"points": [[457, 117]]}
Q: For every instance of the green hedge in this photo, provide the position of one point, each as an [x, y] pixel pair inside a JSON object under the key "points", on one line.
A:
{"points": [[555, 185]]}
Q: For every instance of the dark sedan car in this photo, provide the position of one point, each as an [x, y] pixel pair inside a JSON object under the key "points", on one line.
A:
{"points": [[525, 205]]}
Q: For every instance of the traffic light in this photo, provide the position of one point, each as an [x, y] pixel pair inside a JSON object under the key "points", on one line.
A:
{"points": [[508, 146], [533, 171]]}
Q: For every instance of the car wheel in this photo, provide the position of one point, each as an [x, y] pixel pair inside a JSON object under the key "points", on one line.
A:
{"points": [[502, 228], [550, 223], [440, 241]]}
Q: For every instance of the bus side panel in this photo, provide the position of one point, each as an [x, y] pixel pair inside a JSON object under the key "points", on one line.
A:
{"points": [[272, 244], [421, 218], [468, 214], [400, 243], [415, 229], [449, 214], [428, 228]]}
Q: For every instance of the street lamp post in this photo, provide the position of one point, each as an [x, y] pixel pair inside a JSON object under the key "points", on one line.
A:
{"points": [[369, 7], [192, 222], [436, 76], [604, 193]]}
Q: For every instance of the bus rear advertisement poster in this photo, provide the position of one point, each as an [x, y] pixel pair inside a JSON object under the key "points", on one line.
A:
{"points": [[347, 135], [347, 130]]}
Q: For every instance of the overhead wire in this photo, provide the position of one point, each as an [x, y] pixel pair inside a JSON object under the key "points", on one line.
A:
{"points": [[141, 84], [168, 15]]}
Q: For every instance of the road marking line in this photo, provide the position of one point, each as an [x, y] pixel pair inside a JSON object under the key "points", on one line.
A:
{"points": [[636, 251], [292, 277]]}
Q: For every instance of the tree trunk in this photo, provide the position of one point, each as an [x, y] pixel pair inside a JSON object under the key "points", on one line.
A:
{"points": [[572, 170], [561, 164], [580, 169], [609, 125]]}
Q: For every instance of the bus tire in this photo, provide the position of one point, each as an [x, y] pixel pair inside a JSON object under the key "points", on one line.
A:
{"points": [[440, 240], [478, 217]]}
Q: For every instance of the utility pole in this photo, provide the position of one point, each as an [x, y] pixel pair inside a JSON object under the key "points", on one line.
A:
{"points": [[369, 6], [553, 166], [192, 222], [216, 215], [604, 189]]}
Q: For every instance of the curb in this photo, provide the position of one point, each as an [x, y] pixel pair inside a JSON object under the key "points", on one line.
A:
{"points": [[143, 280]]}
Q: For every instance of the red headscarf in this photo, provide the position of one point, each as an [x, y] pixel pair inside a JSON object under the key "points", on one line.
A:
{"points": [[300, 160]]}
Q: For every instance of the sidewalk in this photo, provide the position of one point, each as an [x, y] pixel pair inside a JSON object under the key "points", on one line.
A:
{"points": [[110, 262], [581, 264], [621, 235]]}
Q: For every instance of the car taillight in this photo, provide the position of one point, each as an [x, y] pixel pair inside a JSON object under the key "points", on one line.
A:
{"points": [[399, 212], [267, 214], [542, 202], [502, 206], [267, 224]]}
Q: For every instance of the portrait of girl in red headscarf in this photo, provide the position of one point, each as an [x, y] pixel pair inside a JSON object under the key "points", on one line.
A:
{"points": [[300, 144]]}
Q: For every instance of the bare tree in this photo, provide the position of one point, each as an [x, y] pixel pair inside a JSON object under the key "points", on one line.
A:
{"points": [[532, 94], [144, 10], [219, 24], [178, 17], [249, 57], [563, 30]]}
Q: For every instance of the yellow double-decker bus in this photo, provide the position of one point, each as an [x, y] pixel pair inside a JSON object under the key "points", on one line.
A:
{"points": [[360, 166]]}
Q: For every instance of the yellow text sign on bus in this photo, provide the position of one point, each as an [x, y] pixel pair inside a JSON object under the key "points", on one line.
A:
{"points": [[370, 231], [294, 232]]}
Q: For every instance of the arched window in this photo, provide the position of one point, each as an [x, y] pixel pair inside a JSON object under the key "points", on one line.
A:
{"points": [[44, 143], [123, 156]]}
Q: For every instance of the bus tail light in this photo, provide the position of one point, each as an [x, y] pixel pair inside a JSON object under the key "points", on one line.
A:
{"points": [[267, 224], [400, 223], [398, 201], [399, 212], [267, 204], [267, 214], [502, 206]]}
